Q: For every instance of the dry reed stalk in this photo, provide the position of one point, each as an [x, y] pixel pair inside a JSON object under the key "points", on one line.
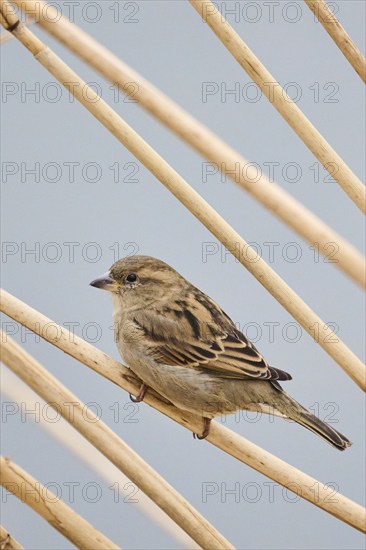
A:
{"points": [[240, 448], [339, 35], [7, 542], [70, 524], [114, 448], [7, 36], [249, 258], [18, 392], [306, 131], [268, 193]]}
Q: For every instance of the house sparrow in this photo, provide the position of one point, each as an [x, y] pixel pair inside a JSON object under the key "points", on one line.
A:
{"points": [[179, 342]]}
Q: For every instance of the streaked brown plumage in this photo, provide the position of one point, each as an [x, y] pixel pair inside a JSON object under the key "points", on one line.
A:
{"points": [[178, 341]]}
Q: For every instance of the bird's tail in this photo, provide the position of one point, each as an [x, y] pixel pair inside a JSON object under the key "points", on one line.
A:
{"points": [[311, 422], [294, 411]]}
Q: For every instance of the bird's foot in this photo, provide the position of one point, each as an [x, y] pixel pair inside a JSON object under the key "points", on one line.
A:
{"points": [[206, 429], [140, 396]]}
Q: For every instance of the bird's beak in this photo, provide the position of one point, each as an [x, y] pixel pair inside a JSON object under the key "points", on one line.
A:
{"points": [[105, 282]]}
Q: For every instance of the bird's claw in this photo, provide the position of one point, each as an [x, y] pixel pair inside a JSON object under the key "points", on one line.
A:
{"points": [[140, 396], [206, 429]]}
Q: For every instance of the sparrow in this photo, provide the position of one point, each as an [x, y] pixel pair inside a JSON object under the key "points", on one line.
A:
{"points": [[180, 343]]}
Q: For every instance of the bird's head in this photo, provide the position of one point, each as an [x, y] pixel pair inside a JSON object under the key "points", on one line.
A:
{"points": [[140, 278]]}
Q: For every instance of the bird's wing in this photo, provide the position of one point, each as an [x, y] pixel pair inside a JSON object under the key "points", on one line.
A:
{"points": [[202, 336]]}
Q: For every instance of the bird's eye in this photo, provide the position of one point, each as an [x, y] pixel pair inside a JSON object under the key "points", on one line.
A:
{"points": [[131, 278]]}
